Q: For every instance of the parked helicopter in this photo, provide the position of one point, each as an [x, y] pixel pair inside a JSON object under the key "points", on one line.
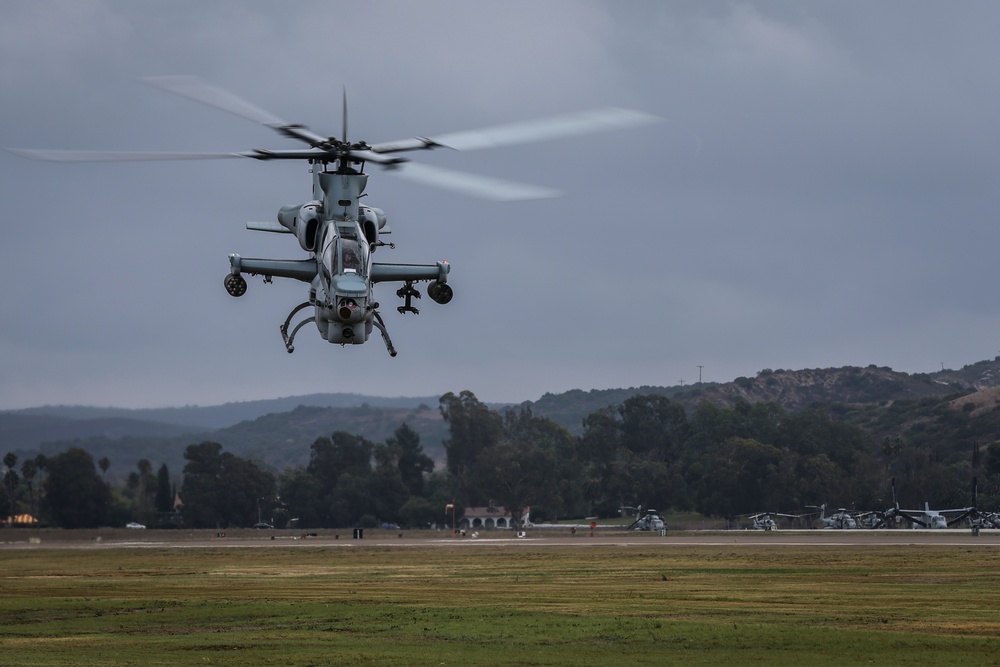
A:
{"points": [[765, 520], [928, 518], [338, 232], [649, 520], [977, 518], [870, 520], [842, 519]]}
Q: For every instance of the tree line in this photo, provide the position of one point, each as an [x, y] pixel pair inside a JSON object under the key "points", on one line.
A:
{"points": [[718, 461]]}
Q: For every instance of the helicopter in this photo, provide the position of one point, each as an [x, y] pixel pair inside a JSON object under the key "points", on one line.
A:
{"points": [[648, 520], [765, 520], [870, 520], [334, 228], [841, 519], [928, 518], [977, 519]]}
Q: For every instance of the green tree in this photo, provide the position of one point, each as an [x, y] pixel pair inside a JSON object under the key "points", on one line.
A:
{"points": [[817, 480], [350, 501], [991, 465], [567, 494], [301, 492], [201, 489], [132, 484], [29, 470], [517, 475], [343, 453], [413, 464], [598, 446], [639, 480], [248, 490], [738, 477], [473, 428], [75, 495], [147, 486], [441, 489], [632, 450], [339, 491], [419, 512], [164, 501], [220, 489], [388, 493], [652, 426]]}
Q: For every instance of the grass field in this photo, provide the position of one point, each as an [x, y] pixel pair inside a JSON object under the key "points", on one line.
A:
{"points": [[503, 604]]}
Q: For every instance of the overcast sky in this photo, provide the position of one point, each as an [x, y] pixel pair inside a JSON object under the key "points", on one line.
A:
{"points": [[822, 193]]}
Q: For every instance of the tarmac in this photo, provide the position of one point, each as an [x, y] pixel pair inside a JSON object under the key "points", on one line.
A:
{"points": [[19, 539]]}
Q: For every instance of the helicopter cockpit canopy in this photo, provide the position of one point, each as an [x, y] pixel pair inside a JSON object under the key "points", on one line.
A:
{"points": [[352, 257], [343, 268], [344, 254]]}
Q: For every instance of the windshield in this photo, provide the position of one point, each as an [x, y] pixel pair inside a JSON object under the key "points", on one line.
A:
{"points": [[352, 257], [343, 256]]}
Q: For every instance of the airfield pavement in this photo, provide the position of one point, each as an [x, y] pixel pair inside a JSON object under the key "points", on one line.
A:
{"points": [[11, 539]]}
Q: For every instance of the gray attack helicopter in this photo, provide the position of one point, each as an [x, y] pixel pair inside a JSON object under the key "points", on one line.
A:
{"points": [[340, 234]]}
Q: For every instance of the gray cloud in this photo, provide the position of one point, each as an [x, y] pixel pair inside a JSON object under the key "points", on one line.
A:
{"points": [[822, 194]]}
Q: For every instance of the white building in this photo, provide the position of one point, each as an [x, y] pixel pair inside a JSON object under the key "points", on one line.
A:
{"points": [[489, 518]]}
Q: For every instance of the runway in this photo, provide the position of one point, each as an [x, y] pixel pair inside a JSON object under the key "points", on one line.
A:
{"points": [[531, 539]]}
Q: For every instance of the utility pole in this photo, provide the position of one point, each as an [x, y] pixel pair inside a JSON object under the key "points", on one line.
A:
{"points": [[699, 373]]}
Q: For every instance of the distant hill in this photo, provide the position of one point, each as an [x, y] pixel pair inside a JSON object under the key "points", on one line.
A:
{"points": [[24, 431], [981, 402], [221, 416], [277, 440], [276, 432], [850, 385], [572, 407], [279, 432], [793, 390], [284, 439]]}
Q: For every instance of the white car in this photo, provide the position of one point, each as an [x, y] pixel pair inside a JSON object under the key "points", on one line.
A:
{"points": [[135, 526]]}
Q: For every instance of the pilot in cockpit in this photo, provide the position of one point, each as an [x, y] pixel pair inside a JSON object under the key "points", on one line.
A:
{"points": [[350, 261]]}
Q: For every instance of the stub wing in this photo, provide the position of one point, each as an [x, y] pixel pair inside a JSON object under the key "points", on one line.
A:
{"points": [[410, 272], [301, 269]]}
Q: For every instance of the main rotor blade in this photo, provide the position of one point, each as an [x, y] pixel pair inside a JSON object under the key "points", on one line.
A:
{"points": [[961, 517], [116, 156], [469, 184], [198, 90], [317, 154], [541, 129]]}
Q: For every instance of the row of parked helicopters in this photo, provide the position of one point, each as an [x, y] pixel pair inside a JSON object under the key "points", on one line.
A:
{"points": [[927, 518], [846, 519]]}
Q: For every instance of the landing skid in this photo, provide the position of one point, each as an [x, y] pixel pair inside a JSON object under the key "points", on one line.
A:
{"points": [[289, 339], [380, 325]]}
